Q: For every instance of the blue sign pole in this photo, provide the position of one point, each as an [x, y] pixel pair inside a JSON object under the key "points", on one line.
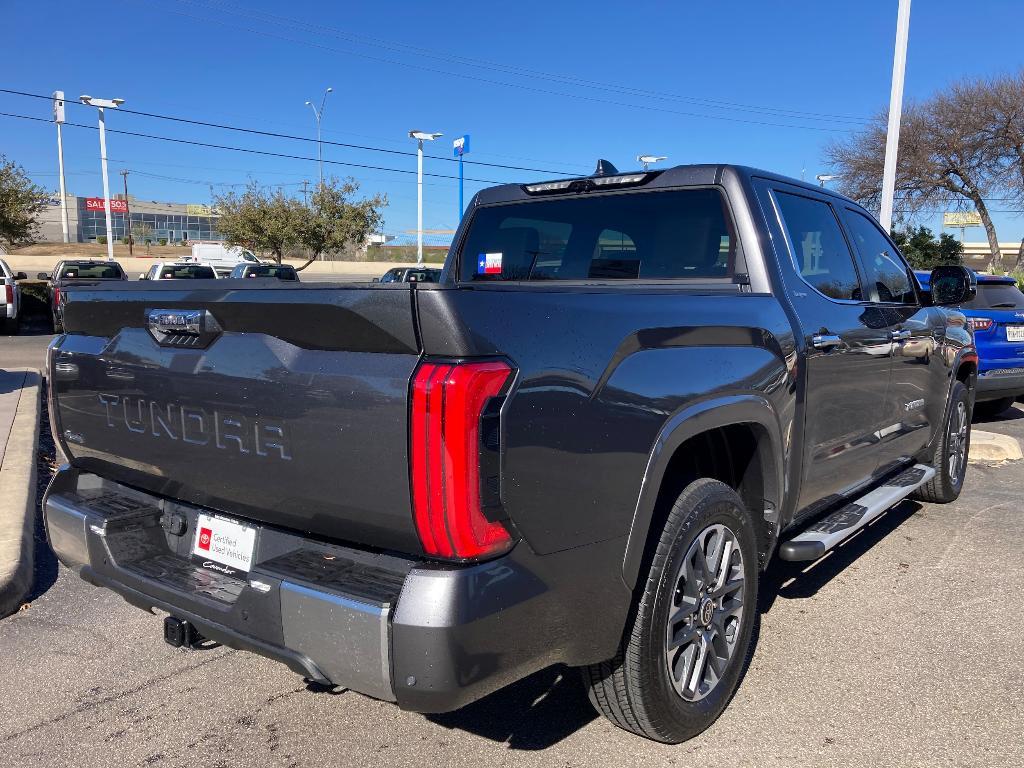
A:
{"points": [[461, 145]]}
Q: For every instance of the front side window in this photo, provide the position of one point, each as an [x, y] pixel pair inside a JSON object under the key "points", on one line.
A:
{"points": [[820, 252], [885, 275], [640, 236]]}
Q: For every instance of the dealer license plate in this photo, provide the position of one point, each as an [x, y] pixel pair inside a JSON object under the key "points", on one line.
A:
{"points": [[1015, 333], [223, 542]]}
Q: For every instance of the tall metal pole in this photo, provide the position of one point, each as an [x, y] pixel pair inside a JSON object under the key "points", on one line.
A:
{"points": [[319, 150], [58, 118], [892, 139], [419, 201], [461, 207], [106, 184], [63, 192]]}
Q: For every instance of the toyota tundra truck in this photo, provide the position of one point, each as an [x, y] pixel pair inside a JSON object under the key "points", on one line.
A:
{"points": [[626, 395]]}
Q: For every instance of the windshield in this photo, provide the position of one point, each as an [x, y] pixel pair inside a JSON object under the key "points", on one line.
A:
{"points": [[640, 236], [187, 272], [997, 296], [92, 271]]}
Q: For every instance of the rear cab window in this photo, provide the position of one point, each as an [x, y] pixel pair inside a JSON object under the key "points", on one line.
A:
{"points": [[664, 235], [187, 272]]}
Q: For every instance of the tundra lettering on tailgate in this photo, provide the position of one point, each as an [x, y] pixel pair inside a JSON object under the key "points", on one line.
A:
{"points": [[192, 425]]}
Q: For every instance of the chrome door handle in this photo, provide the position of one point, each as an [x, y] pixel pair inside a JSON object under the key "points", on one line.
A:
{"points": [[825, 341], [899, 335]]}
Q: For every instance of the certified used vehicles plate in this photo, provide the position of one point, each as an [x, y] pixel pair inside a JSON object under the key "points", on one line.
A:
{"points": [[1015, 333], [223, 545]]}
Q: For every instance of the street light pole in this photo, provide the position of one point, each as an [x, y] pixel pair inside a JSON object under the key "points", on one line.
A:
{"points": [[101, 106], [892, 137], [128, 216], [420, 137], [319, 113], [58, 118]]}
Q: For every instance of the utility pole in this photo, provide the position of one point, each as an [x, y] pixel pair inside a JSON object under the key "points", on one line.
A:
{"points": [[128, 216], [892, 138], [319, 114], [305, 188], [58, 118]]}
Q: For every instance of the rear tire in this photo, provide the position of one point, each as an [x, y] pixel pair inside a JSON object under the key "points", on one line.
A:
{"points": [[950, 458], [689, 641], [990, 408]]}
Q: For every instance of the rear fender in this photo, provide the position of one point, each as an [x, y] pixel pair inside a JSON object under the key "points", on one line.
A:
{"points": [[687, 423]]}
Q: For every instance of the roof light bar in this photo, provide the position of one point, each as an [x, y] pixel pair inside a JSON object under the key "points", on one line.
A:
{"points": [[551, 186], [607, 181], [583, 185]]}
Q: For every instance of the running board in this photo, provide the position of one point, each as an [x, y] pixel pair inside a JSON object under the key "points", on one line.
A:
{"points": [[812, 543]]}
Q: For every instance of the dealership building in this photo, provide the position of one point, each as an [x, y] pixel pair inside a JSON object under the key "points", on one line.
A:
{"points": [[145, 219]]}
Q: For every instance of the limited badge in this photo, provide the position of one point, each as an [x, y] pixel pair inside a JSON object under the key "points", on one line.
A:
{"points": [[488, 264]]}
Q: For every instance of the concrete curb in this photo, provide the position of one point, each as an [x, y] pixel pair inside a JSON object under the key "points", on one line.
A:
{"points": [[18, 498], [990, 447]]}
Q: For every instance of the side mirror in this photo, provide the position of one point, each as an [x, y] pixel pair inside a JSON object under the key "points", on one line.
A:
{"points": [[376, 279], [143, 276], [21, 276], [952, 285], [42, 276]]}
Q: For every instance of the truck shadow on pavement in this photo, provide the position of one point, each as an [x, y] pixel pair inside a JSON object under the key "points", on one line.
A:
{"points": [[532, 714], [46, 565], [549, 706], [802, 580]]}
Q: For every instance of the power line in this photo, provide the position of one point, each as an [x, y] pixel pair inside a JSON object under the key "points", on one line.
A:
{"points": [[513, 69], [560, 94], [292, 137], [267, 153]]}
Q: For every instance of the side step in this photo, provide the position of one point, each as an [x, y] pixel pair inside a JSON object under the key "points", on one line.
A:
{"points": [[812, 543]]}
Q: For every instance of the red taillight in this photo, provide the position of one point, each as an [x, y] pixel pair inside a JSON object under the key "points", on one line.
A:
{"points": [[979, 323], [56, 297], [448, 403], [9, 294]]}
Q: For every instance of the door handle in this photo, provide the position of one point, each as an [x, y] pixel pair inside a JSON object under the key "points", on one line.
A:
{"points": [[825, 341], [900, 335]]}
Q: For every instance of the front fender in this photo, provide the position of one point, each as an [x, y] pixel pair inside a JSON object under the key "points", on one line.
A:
{"points": [[688, 422]]}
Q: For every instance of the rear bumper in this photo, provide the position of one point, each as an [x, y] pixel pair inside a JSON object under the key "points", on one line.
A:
{"points": [[431, 638], [1000, 382]]}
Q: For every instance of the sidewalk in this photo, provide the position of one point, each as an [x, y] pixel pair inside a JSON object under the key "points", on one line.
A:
{"points": [[19, 436]]}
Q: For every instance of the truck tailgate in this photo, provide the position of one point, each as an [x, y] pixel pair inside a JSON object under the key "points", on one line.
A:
{"points": [[281, 404]]}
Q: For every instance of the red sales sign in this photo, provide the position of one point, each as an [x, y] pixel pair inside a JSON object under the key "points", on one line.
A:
{"points": [[96, 204]]}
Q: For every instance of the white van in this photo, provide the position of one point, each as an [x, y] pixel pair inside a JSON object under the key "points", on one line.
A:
{"points": [[221, 257]]}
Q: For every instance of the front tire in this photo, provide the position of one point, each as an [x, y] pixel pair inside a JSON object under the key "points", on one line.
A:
{"points": [[690, 639], [950, 458]]}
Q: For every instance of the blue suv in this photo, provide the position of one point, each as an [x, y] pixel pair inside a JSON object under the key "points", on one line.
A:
{"points": [[996, 315]]}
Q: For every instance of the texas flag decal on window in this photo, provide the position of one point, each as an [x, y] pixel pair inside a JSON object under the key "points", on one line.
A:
{"points": [[488, 264]]}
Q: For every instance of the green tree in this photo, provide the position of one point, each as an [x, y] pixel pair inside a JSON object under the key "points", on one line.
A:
{"points": [[21, 202], [335, 221], [260, 219], [923, 251]]}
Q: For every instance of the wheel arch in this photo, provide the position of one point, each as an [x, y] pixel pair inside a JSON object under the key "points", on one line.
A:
{"points": [[703, 426]]}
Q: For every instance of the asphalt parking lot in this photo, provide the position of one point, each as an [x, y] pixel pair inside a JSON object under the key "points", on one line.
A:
{"points": [[901, 648]]}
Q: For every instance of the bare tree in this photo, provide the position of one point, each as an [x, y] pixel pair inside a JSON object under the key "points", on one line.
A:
{"points": [[945, 159], [1001, 104]]}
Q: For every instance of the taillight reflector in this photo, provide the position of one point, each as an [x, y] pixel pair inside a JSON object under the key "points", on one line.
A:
{"points": [[9, 294], [448, 400], [56, 297]]}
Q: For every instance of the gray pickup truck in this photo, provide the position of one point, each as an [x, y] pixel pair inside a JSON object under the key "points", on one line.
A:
{"points": [[624, 397]]}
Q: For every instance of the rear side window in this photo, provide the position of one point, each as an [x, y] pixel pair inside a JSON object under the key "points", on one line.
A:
{"points": [[639, 236], [885, 275], [820, 252], [997, 296]]}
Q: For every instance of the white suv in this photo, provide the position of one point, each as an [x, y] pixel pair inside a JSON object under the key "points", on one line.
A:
{"points": [[10, 298]]}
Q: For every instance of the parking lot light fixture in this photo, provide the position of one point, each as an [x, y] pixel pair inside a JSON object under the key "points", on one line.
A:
{"points": [[648, 160], [319, 114], [420, 137], [825, 177], [102, 105]]}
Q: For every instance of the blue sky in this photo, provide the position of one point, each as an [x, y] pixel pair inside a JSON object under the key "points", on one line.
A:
{"points": [[546, 85]]}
